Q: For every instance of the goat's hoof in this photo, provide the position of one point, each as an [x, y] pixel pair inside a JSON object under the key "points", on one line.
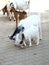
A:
{"points": [[23, 46], [30, 45], [11, 38], [9, 19], [40, 39], [37, 44], [14, 20]]}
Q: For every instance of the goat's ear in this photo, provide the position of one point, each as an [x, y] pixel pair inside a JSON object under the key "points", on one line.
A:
{"points": [[11, 4], [23, 37]]}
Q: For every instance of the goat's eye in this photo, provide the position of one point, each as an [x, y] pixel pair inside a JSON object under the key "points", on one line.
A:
{"points": [[21, 42]]}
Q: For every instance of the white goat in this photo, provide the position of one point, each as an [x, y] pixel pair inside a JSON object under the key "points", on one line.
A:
{"points": [[27, 35], [32, 20], [20, 4], [32, 27]]}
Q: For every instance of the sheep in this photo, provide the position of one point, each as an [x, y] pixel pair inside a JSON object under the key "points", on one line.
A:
{"points": [[27, 35]]}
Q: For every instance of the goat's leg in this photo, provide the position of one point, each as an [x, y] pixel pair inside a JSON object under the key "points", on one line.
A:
{"points": [[4, 13], [7, 13], [24, 43], [40, 32], [30, 44], [13, 16], [10, 16], [37, 40], [17, 20]]}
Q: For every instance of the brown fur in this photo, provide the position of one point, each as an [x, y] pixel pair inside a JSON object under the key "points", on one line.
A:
{"points": [[5, 10], [19, 15]]}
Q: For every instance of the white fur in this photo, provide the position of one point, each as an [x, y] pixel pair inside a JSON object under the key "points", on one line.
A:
{"points": [[31, 33], [32, 29], [33, 20], [20, 4]]}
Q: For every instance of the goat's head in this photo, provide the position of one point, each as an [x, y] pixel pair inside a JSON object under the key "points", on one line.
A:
{"points": [[22, 15], [20, 40], [12, 6]]}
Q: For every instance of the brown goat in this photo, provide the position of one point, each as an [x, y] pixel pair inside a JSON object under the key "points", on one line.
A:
{"points": [[5, 10], [19, 15]]}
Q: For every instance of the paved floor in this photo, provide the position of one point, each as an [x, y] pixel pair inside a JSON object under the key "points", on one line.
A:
{"points": [[12, 55]]}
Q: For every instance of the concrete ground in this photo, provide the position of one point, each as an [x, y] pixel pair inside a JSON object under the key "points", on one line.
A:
{"points": [[13, 55]]}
